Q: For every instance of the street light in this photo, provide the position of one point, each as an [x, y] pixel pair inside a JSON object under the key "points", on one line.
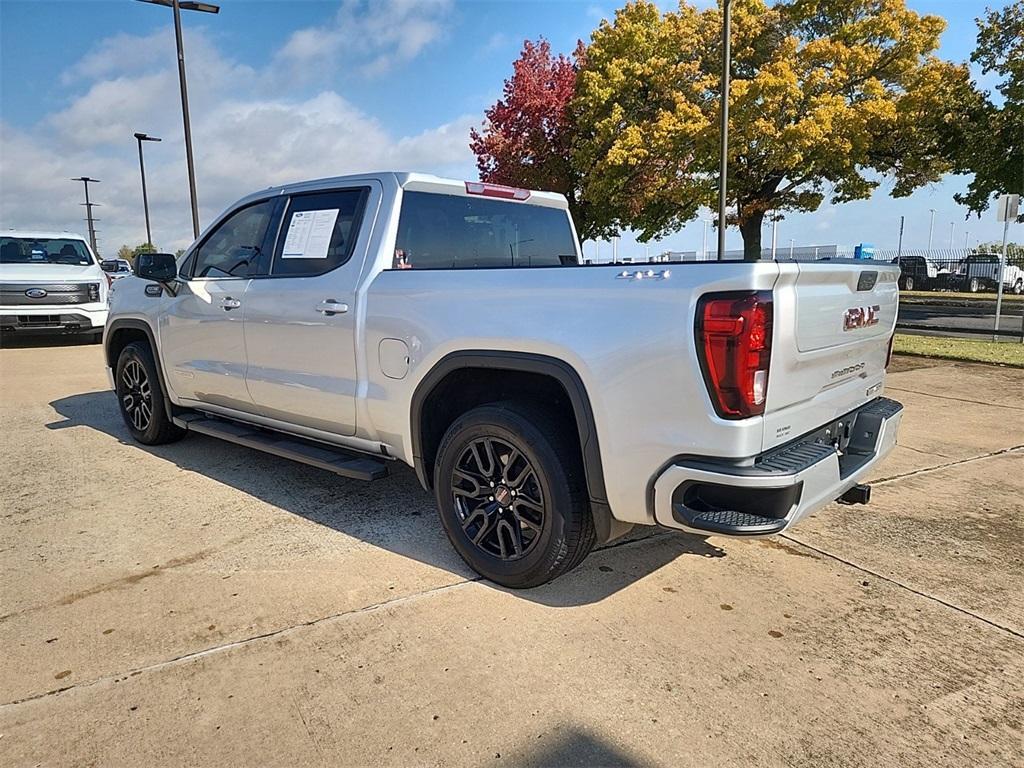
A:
{"points": [[88, 211], [931, 227], [141, 137], [178, 6], [724, 156]]}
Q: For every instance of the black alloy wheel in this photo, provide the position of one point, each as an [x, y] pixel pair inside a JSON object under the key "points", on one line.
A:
{"points": [[498, 499], [140, 397], [137, 396], [511, 493]]}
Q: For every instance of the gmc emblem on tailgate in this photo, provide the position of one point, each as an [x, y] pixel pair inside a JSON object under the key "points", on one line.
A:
{"points": [[860, 317]]}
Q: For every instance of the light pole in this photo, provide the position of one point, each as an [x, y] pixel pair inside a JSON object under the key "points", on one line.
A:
{"points": [[952, 229], [775, 225], [178, 6], [704, 252], [724, 155], [899, 248], [931, 228], [88, 211], [141, 137]]}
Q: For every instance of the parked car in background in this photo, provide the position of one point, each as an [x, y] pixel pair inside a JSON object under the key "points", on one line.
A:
{"points": [[549, 406], [919, 273], [980, 272], [115, 269], [50, 282]]}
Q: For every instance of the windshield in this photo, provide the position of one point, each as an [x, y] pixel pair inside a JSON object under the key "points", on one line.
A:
{"points": [[43, 250]]}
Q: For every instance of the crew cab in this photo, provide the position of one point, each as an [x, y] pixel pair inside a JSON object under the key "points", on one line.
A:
{"points": [[549, 406], [50, 282]]}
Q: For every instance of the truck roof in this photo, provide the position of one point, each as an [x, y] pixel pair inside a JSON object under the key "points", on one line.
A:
{"points": [[411, 180], [41, 234]]}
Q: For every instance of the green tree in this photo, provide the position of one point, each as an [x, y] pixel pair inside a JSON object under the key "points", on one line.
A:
{"points": [[990, 143], [828, 98]]}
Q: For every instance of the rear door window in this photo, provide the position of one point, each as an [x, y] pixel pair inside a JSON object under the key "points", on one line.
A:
{"points": [[438, 231], [319, 232]]}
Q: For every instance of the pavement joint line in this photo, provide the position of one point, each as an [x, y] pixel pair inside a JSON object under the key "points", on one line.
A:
{"points": [[958, 462], [193, 655], [282, 631], [903, 585], [957, 399]]}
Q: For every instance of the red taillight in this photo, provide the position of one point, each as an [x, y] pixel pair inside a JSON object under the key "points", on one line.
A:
{"points": [[496, 190], [734, 343]]}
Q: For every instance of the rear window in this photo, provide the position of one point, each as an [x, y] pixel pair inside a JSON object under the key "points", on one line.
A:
{"points": [[43, 250], [454, 232]]}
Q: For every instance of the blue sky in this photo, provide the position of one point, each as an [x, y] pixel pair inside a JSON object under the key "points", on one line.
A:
{"points": [[288, 90]]}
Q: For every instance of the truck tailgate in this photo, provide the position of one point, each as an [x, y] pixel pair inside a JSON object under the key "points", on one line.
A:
{"points": [[833, 322]]}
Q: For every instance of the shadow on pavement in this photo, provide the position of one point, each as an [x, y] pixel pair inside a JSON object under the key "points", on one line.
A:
{"points": [[395, 513], [574, 747]]}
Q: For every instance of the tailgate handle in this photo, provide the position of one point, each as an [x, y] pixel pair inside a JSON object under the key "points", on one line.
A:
{"points": [[867, 280]]}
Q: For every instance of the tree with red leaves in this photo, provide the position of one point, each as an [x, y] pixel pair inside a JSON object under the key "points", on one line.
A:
{"points": [[526, 139]]}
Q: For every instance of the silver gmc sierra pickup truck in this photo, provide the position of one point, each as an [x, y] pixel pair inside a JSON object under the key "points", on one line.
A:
{"points": [[548, 405]]}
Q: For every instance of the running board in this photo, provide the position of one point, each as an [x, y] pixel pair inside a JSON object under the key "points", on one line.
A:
{"points": [[336, 460]]}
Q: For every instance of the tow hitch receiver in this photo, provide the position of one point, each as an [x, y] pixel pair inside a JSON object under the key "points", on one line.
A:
{"points": [[859, 494]]}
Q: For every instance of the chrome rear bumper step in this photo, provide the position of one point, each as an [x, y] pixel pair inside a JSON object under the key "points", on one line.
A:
{"points": [[337, 460]]}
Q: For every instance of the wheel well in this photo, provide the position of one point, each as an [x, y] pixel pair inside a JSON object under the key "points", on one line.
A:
{"points": [[466, 388], [120, 339]]}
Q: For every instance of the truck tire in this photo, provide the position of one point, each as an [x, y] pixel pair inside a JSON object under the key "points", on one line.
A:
{"points": [[1018, 287], [908, 283], [974, 285], [511, 494], [141, 398]]}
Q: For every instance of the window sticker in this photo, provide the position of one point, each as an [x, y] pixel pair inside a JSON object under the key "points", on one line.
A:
{"points": [[309, 234]]}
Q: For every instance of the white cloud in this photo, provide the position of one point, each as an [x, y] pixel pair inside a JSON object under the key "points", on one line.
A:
{"points": [[379, 33], [250, 130]]}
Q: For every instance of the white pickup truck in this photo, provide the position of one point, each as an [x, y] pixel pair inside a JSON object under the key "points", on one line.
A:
{"points": [[50, 282], [548, 405]]}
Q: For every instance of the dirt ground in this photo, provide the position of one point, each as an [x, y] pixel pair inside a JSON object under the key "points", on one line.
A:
{"points": [[204, 604]]}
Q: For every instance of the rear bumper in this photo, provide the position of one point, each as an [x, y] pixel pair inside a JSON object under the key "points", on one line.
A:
{"points": [[55, 319], [780, 487]]}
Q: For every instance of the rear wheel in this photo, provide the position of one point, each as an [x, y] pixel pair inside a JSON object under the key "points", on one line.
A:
{"points": [[141, 398], [974, 285], [511, 495], [908, 283], [1018, 287]]}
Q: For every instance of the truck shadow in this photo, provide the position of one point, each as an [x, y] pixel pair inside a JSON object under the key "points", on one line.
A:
{"points": [[394, 514]]}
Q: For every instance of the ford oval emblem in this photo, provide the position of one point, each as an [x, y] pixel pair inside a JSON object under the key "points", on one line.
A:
{"points": [[35, 293]]}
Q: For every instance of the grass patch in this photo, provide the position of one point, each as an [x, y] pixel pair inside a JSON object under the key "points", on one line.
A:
{"points": [[1000, 352], [986, 296]]}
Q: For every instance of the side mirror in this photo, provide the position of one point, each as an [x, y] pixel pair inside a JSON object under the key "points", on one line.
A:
{"points": [[159, 267], [108, 265]]}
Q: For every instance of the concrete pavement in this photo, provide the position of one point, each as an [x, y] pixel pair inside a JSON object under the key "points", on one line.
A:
{"points": [[204, 604]]}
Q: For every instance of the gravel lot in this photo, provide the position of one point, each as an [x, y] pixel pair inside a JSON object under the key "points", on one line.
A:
{"points": [[204, 604]]}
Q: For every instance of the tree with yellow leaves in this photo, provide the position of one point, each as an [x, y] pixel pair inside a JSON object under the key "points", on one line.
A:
{"points": [[828, 98]]}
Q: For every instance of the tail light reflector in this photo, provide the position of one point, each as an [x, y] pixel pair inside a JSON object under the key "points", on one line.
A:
{"points": [[734, 339]]}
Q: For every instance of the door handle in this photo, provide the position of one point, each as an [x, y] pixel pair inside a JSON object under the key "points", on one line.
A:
{"points": [[331, 307], [228, 303]]}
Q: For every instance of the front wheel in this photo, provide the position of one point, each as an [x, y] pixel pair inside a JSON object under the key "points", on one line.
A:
{"points": [[908, 283], [511, 495], [974, 285], [141, 399]]}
